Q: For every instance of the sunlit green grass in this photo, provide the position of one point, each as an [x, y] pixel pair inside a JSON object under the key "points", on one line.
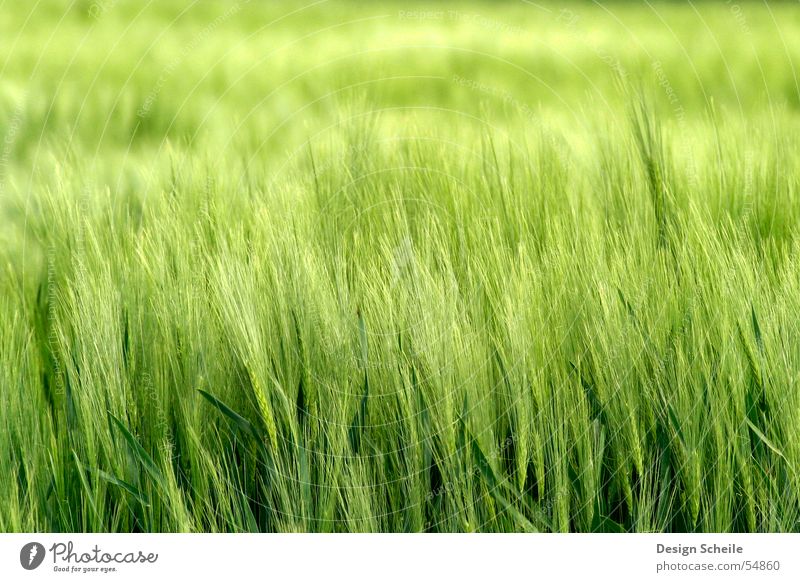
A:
{"points": [[486, 266]]}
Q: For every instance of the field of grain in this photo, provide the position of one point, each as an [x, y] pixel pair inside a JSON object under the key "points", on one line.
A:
{"points": [[399, 266]]}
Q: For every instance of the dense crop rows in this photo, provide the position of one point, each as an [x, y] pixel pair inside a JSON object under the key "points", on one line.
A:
{"points": [[494, 266]]}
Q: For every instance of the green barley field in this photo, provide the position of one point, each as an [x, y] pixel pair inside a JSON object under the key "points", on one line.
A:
{"points": [[337, 266]]}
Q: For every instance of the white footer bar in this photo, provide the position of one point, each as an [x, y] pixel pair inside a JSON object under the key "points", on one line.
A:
{"points": [[518, 557]]}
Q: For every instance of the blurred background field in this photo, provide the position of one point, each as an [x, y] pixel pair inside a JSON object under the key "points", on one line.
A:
{"points": [[122, 75], [118, 86]]}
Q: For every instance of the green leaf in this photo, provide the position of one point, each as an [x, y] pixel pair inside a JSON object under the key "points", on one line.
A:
{"points": [[757, 330], [764, 438], [239, 421], [362, 338], [133, 491], [676, 424], [145, 459], [85, 484]]}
